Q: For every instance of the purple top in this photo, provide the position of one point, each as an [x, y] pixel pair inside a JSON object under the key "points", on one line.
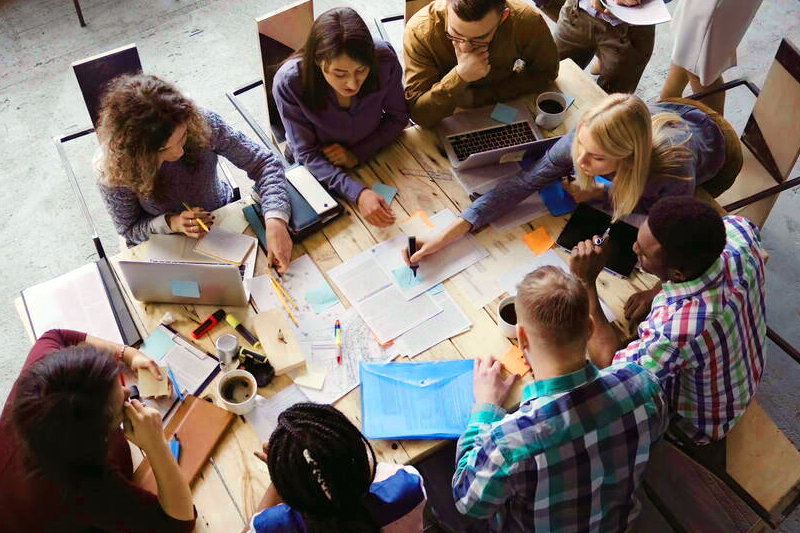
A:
{"points": [[705, 141], [371, 122]]}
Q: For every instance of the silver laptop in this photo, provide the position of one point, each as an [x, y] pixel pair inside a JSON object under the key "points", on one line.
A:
{"points": [[185, 282]]}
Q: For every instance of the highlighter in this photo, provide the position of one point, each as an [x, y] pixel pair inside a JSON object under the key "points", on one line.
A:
{"points": [[243, 331], [208, 323], [244, 352]]}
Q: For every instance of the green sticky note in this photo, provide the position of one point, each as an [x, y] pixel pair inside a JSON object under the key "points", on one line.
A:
{"points": [[158, 344], [504, 113], [186, 289], [405, 277], [384, 190], [321, 297]]}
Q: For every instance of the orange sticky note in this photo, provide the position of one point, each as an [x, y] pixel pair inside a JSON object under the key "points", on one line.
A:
{"points": [[539, 241], [515, 362]]}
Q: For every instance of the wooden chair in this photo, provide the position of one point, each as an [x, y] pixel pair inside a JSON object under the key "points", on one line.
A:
{"points": [[771, 138]]}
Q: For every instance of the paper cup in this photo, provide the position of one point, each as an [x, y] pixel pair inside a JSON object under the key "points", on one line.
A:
{"points": [[506, 317], [237, 391]]}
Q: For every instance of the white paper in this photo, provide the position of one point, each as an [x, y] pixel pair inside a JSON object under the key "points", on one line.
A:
{"points": [[360, 277], [190, 372], [646, 13], [230, 217], [550, 257], [436, 267], [529, 209], [264, 416], [76, 300], [449, 323], [226, 245]]}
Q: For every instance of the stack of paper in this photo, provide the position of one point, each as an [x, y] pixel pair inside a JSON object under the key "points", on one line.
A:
{"points": [[304, 283], [225, 245], [450, 322], [264, 416]]}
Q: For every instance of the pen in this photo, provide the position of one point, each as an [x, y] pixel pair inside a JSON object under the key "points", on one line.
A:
{"points": [[598, 241], [243, 331], [208, 323], [202, 224], [174, 383], [175, 446], [337, 330], [244, 352], [412, 248]]}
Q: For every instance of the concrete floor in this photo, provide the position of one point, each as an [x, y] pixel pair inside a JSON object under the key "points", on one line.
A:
{"points": [[208, 47]]}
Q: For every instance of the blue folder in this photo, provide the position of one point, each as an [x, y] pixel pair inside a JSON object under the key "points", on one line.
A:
{"points": [[429, 400]]}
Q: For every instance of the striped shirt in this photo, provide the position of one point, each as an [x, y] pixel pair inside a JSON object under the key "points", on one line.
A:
{"points": [[704, 339], [569, 459]]}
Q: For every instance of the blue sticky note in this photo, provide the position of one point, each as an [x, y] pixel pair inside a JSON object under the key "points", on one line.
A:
{"points": [[557, 200], [569, 100], [504, 113], [436, 289], [321, 297], [158, 344], [405, 277], [186, 289], [600, 180], [385, 191]]}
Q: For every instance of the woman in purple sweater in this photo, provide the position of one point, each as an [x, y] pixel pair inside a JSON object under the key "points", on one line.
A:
{"points": [[159, 150], [341, 100]]}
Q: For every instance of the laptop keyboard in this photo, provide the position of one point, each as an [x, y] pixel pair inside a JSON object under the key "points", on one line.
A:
{"points": [[474, 142]]}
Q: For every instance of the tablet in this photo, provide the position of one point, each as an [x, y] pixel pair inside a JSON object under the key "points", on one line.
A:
{"points": [[587, 222]]}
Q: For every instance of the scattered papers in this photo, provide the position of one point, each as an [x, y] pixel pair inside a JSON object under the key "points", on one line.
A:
{"points": [[514, 361], [504, 113], [539, 240], [225, 245], [417, 225], [529, 209], [304, 283], [646, 13], [321, 297], [264, 416], [450, 322], [312, 376], [436, 289], [190, 371], [230, 217], [384, 190], [405, 277], [150, 387]]}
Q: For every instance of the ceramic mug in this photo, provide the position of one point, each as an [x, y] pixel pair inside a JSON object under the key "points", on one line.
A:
{"points": [[237, 391], [507, 317], [551, 107]]}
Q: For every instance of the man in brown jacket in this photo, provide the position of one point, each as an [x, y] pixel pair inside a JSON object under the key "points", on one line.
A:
{"points": [[471, 53]]}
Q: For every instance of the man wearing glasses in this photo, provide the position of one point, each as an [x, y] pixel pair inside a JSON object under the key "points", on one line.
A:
{"points": [[471, 53]]}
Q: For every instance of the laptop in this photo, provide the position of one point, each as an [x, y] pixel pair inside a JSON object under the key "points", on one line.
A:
{"points": [[586, 221]]}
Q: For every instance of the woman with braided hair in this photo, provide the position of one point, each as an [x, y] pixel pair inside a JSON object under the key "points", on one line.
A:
{"points": [[325, 479]]}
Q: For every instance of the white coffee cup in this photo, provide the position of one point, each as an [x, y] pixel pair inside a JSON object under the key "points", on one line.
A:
{"points": [[547, 119], [237, 391], [506, 327]]}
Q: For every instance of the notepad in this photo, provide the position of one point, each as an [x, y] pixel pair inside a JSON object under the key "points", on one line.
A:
{"points": [[225, 245], [514, 361], [384, 190], [539, 241], [504, 113], [150, 387], [284, 355], [312, 376]]}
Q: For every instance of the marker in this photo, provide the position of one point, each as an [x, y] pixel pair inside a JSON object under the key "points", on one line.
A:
{"points": [[337, 330], [598, 241], [412, 248], [208, 323], [243, 331], [121, 378], [174, 383], [135, 395], [202, 225], [244, 352], [175, 446]]}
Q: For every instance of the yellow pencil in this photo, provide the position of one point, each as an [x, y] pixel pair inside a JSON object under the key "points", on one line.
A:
{"points": [[285, 305], [285, 293], [202, 225]]}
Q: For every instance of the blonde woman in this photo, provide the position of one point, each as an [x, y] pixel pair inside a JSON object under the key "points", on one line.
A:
{"points": [[159, 150], [646, 151]]}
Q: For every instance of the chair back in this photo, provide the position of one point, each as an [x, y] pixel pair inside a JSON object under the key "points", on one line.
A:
{"points": [[94, 73], [280, 34], [412, 6], [772, 132]]}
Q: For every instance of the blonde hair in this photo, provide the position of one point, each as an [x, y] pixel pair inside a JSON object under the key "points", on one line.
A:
{"points": [[623, 128], [555, 303]]}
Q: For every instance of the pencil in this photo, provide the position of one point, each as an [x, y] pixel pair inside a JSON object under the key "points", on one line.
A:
{"points": [[285, 293], [202, 224], [277, 290]]}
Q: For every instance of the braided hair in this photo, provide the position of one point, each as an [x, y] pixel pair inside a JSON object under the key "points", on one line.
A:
{"points": [[322, 466]]}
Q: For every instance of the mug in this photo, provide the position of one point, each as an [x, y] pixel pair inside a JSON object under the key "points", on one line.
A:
{"points": [[507, 317], [549, 116], [237, 391], [227, 351]]}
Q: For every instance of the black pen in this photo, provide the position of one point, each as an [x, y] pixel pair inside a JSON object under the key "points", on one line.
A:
{"points": [[412, 249]]}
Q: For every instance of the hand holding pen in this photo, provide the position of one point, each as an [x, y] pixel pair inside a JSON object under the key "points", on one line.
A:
{"points": [[194, 222], [598, 241]]}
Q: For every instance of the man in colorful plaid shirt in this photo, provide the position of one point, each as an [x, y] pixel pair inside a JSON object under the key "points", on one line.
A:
{"points": [[571, 457], [704, 337]]}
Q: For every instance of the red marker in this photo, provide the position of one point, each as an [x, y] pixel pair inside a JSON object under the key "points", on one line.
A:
{"points": [[208, 323], [337, 330]]}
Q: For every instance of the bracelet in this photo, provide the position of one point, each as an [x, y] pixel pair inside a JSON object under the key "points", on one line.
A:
{"points": [[120, 355]]}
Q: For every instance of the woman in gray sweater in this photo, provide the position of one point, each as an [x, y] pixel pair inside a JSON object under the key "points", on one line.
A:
{"points": [[159, 150]]}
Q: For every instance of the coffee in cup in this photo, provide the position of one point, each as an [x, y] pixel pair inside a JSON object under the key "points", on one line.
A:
{"points": [[551, 108], [507, 317], [237, 391]]}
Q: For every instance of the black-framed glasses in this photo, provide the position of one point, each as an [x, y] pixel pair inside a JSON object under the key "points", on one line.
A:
{"points": [[473, 42]]}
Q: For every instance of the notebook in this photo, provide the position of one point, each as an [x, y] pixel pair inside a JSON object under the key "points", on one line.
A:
{"points": [[225, 245]]}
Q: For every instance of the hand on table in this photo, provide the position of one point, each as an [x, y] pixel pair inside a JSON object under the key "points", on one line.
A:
{"points": [[472, 66], [186, 222], [488, 383], [279, 244], [579, 194], [638, 305], [587, 261], [374, 208], [340, 156], [434, 243], [143, 425]]}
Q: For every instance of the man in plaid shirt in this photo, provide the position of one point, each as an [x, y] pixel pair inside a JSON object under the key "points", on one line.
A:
{"points": [[571, 457], [704, 337]]}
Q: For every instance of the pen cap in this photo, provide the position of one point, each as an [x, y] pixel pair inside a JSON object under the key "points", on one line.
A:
{"points": [[232, 321]]}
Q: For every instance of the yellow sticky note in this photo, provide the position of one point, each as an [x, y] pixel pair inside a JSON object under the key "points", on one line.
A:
{"points": [[313, 376], [539, 241], [150, 387], [514, 361]]}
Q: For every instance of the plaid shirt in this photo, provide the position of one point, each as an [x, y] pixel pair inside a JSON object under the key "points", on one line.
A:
{"points": [[569, 459], [704, 338]]}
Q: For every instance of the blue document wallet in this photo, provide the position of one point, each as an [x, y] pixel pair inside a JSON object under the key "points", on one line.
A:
{"points": [[429, 400]]}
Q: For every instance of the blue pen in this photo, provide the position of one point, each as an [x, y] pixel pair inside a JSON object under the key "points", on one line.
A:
{"points": [[175, 447], [174, 383]]}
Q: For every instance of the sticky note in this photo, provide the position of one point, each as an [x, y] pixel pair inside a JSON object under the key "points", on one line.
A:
{"points": [[557, 200], [504, 113], [405, 277], [186, 289], [321, 297], [158, 344], [539, 241], [514, 361], [313, 376], [384, 190], [569, 100], [150, 387], [436, 289]]}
